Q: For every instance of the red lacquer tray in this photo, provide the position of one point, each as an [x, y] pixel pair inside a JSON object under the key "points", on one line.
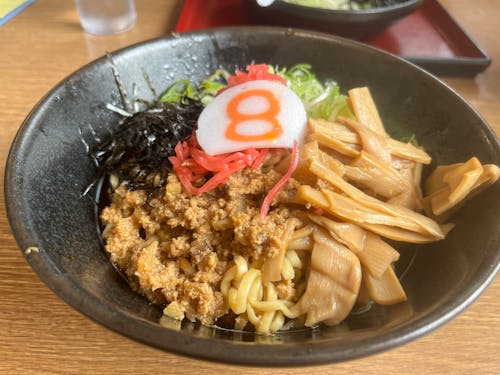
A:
{"points": [[429, 37]]}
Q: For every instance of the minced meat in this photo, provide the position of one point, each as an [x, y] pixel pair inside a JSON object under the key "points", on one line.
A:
{"points": [[176, 248]]}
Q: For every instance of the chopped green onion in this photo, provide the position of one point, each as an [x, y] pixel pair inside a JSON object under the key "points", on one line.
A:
{"points": [[320, 100]]}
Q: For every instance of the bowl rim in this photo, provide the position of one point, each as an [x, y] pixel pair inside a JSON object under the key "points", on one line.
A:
{"points": [[407, 5], [256, 354]]}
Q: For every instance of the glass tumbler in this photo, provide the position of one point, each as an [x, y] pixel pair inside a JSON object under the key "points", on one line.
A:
{"points": [[106, 16]]}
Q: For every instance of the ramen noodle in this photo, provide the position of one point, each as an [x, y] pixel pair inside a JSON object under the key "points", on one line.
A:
{"points": [[213, 254]]}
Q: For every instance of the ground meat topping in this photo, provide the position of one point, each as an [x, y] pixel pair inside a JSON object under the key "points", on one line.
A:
{"points": [[175, 248]]}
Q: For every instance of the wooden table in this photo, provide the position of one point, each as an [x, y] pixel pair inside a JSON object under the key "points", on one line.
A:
{"points": [[41, 334]]}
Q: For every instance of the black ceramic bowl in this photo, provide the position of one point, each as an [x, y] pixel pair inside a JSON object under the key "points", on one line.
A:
{"points": [[354, 24], [48, 169]]}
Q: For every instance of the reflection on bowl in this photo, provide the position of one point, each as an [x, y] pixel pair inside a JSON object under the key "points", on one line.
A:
{"points": [[355, 24], [49, 168]]}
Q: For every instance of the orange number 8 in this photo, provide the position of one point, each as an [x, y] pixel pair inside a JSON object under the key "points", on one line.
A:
{"points": [[268, 115]]}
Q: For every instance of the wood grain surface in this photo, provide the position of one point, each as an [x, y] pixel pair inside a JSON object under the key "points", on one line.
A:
{"points": [[40, 334]]}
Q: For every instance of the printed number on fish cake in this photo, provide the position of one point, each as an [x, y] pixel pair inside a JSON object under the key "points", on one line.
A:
{"points": [[269, 115]]}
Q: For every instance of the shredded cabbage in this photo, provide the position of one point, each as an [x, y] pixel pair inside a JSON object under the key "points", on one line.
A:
{"points": [[178, 91], [321, 100], [209, 88], [204, 92]]}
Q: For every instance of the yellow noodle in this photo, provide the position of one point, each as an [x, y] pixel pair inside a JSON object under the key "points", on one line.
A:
{"points": [[277, 323], [243, 290], [226, 280], [294, 259], [288, 308], [242, 266], [232, 296], [241, 321], [287, 271], [267, 318], [264, 324], [256, 291], [252, 316]]}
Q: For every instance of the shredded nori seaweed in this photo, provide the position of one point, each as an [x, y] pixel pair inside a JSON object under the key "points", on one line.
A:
{"points": [[139, 147]]}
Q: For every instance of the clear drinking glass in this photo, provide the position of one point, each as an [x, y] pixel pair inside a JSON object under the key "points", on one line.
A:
{"points": [[106, 16]]}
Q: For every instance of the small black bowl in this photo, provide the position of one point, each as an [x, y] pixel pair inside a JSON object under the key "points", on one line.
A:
{"points": [[355, 24], [48, 169]]}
